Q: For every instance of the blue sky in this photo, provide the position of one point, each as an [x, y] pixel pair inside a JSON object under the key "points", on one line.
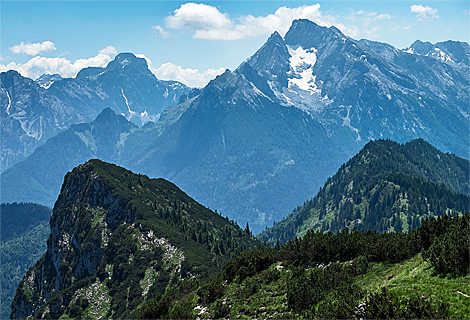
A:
{"points": [[194, 41]]}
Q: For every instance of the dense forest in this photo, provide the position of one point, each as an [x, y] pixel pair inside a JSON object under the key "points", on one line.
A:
{"points": [[319, 276], [385, 187]]}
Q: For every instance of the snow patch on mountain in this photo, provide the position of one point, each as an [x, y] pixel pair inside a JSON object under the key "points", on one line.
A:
{"points": [[439, 54], [302, 91], [302, 62], [347, 123], [131, 113], [9, 102], [145, 117]]}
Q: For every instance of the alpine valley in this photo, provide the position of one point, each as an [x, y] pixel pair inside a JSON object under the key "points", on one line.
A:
{"points": [[371, 139]]}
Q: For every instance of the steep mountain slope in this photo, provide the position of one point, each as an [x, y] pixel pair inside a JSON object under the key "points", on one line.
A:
{"points": [[385, 187], [118, 238], [25, 228], [39, 177], [126, 85], [235, 150], [271, 131], [256, 142], [30, 115]]}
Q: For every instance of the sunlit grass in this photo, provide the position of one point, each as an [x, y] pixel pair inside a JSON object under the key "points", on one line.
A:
{"points": [[416, 277]]}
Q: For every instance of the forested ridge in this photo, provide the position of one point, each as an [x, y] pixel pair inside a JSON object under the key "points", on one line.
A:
{"points": [[319, 276], [371, 244], [385, 187], [118, 238]]}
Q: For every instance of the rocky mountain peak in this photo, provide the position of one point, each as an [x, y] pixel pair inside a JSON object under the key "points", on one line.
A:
{"points": [[308, 34], [420, 47], [451, 52], [127, 59], [11, 78], [46, 80], [108, 115]]}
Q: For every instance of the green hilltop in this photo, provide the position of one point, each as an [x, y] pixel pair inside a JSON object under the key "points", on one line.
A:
{"points": [[126, 246], [386, 187]]}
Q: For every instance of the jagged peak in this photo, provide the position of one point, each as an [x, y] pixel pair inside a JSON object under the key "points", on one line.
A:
{"points": [[121, 61], [11, 73], [308, 34], [108, 115], [275, 36]]}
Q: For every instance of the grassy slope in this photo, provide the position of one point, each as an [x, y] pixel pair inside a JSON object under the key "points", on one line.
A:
{"points": [[264, 295], [417, 277]]}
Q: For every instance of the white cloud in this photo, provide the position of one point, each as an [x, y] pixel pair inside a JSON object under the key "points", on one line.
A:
{"points": [[424, 12], [198, 16], [37, 66], [33, 49], [383, 16], [207, 22], [108, 50], [188, 76], [466, 12], [367, 24], [160, 32]]}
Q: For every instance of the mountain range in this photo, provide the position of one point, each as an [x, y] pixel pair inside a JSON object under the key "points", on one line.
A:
{"points": [[34, 111], [126, 85], [253, 144], [30, 116], [120, 241], [259, 140]]}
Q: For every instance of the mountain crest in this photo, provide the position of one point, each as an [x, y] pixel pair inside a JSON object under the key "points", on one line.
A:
{"points": [[117, 238], [308, 34], [452, 52], [126, 59]]}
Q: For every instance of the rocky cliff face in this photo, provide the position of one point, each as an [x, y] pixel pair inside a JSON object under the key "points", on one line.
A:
{"points": [[85, 208], [116, 239]]}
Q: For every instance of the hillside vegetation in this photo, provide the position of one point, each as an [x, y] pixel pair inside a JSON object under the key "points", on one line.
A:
{"points": [[386, 187], [421, 274], [118, 238]]}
